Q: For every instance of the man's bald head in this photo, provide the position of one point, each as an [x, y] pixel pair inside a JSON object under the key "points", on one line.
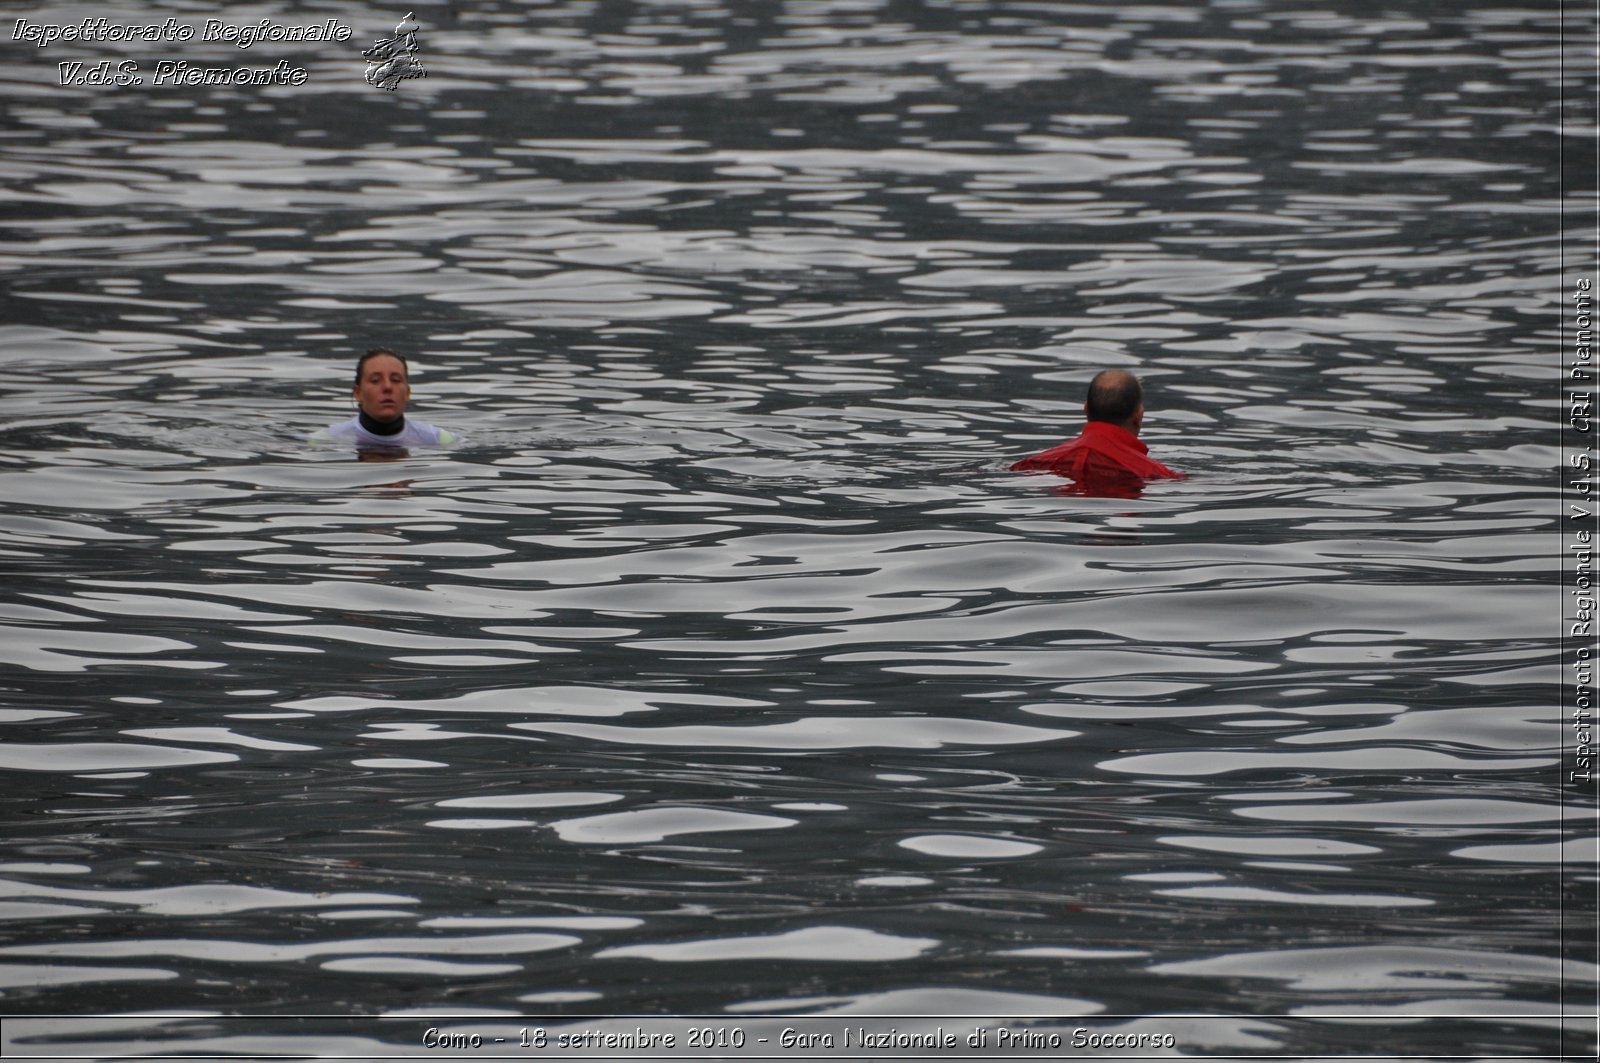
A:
{"points": [[1115, 395]]}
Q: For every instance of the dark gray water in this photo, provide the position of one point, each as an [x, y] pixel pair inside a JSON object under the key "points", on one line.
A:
{"points": [[725, 669]]}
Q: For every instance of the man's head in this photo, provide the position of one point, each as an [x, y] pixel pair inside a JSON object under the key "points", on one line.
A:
{"points": [[1115, 396], [382, 388]]}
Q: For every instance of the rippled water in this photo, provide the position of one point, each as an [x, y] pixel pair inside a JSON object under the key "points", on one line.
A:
{"points": [[725, 669]]}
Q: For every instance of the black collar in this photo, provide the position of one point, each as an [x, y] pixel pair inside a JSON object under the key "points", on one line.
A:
{"points": [[382, 428]]}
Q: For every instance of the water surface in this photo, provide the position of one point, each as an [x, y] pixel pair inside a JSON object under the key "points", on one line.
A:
{"points": [[725, 669]]}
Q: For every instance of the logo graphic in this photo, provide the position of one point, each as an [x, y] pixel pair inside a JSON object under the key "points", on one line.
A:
{"points": [[394, 59]]}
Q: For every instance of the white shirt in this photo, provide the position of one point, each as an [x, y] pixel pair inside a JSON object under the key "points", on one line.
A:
{"points": [[413, 434]]}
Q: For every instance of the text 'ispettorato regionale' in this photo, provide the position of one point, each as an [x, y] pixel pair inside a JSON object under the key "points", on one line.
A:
{"points": [[100, 30]]}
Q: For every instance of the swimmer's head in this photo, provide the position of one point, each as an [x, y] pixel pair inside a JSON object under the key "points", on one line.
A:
{"points": [[382, 385], [1116, 396]]}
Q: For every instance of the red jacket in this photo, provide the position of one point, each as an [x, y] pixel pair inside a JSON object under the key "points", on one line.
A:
{"points": [[1104, 460]]}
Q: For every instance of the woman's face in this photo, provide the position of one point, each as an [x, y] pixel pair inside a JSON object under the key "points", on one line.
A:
{"points": [[383, 391]]}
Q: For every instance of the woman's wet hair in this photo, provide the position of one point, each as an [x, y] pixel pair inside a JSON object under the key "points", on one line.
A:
{"points": [[361, 363]]}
